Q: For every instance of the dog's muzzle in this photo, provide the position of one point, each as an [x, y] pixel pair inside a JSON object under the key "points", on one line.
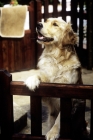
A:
{"points": [[41, 37]]}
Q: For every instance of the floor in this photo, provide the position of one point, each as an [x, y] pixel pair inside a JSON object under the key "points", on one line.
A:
{"points": [[23, 101]]}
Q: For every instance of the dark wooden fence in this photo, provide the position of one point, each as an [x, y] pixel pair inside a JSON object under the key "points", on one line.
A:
{"points": [[81, 12], [19, 54], [8, 88]]}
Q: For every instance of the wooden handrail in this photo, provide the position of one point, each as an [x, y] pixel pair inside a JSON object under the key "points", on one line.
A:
{"points": [[53, 90]]}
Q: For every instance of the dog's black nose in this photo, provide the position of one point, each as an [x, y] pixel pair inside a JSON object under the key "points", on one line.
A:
{"points": [[39, 25]]}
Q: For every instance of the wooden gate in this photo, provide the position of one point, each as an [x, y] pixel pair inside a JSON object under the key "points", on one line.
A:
{"points": [[80, 13], [8, 88]]}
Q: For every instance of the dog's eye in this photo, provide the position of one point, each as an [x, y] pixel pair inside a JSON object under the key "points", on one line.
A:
{"points": [[55, 24]]}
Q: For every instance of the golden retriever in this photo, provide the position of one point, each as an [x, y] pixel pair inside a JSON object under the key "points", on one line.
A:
{"points": [[57, 64]]}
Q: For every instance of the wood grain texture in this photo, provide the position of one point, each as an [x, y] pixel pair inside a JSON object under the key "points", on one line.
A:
{"points": [[53, 90]]}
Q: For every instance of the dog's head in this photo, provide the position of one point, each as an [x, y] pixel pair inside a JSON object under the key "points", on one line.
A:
{"points": [[55, 31]]}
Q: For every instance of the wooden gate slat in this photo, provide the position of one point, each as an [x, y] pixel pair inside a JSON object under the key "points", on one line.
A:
{"points": [[64, 10], [55, 12], [32, 23], [5, 53], [46, 14], [18, 54], [11, 55], [36, 116], [1, 55], [81, 25], [39, 17], [73, 13], [90, 34], [66, 106], [91, 122]]}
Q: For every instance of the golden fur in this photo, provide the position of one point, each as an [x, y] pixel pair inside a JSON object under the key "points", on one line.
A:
{"points": [[57, 64]]}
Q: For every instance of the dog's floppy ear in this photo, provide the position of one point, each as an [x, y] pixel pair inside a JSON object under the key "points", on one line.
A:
{"points": [[69, 37]]}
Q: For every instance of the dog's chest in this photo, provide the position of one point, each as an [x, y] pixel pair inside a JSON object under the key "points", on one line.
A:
{"points": [[49, 65], [57, 68]]}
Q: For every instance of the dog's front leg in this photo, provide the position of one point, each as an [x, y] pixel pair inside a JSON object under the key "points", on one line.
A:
{"points": [[54, 132], [34, 80]]}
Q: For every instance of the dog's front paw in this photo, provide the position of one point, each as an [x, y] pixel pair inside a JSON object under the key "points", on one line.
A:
{"points": [[53, 134], [32, 82]]}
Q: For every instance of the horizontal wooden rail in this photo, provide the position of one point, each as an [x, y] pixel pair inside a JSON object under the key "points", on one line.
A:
{"points": [[68, 13], [58, 90], [29, 137]]}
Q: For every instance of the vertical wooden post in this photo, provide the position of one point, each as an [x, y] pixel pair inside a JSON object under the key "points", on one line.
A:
{"points": [[65, 130], [74, 14], [32, 23], [38, 19], [55, 4], [1, 55], [90, 34], [36, 116], [35, 16], [39, 15], [91, 124], [64, 10], [46, 14], [6, 105]]}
